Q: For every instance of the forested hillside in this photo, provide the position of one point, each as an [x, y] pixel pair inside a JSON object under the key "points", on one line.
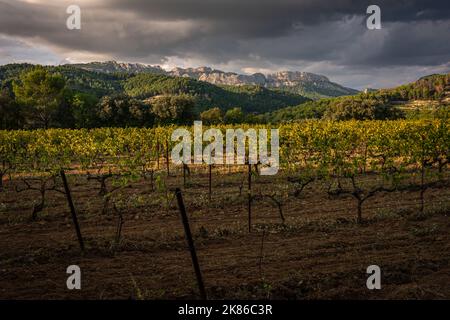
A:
{"points": [[91, 99], [250, 98], [83, 98], [431, 87], [307, 84], [433, 91], [98, 84]]}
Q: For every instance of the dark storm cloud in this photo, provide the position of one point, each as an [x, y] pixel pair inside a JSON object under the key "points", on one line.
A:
{"points": [[310, 11], [270, 34], [415, 43], [268, 17]]}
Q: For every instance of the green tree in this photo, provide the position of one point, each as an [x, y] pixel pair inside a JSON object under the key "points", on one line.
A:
{"points": [[234, 116], [84, 110], [141, 113], [122, 111], [252, 118], [10, 113], [41, 93], [361, 109], [212, 116], [174, 108]]}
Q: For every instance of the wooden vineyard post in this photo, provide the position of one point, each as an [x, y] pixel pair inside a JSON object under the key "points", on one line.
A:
{"points": [[72, 209], [185, 169], [167, 158], [152, 182], [249, 197], [422, 174], [210, 182], [2, 173], [190, 241], [157, 155]]}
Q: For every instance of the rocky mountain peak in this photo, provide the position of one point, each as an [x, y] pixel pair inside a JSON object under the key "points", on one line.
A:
{"points": [[304, 83]]}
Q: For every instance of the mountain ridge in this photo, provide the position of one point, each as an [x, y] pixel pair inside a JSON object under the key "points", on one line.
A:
{"points": [[144, 85], [304, 83]]}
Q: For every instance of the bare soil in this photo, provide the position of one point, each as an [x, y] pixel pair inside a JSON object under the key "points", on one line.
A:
{"points": [[320, 252]]}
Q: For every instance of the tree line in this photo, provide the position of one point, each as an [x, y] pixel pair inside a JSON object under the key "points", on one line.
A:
{"points": [[375, 105], [68, 97], [39, 98]]}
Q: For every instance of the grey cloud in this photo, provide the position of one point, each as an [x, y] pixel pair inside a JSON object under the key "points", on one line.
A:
{"points": [[311, 11], [240, 34], [13, 50]]}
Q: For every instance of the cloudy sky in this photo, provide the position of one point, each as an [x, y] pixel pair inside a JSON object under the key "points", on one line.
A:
{"points": [[325, 37]]}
